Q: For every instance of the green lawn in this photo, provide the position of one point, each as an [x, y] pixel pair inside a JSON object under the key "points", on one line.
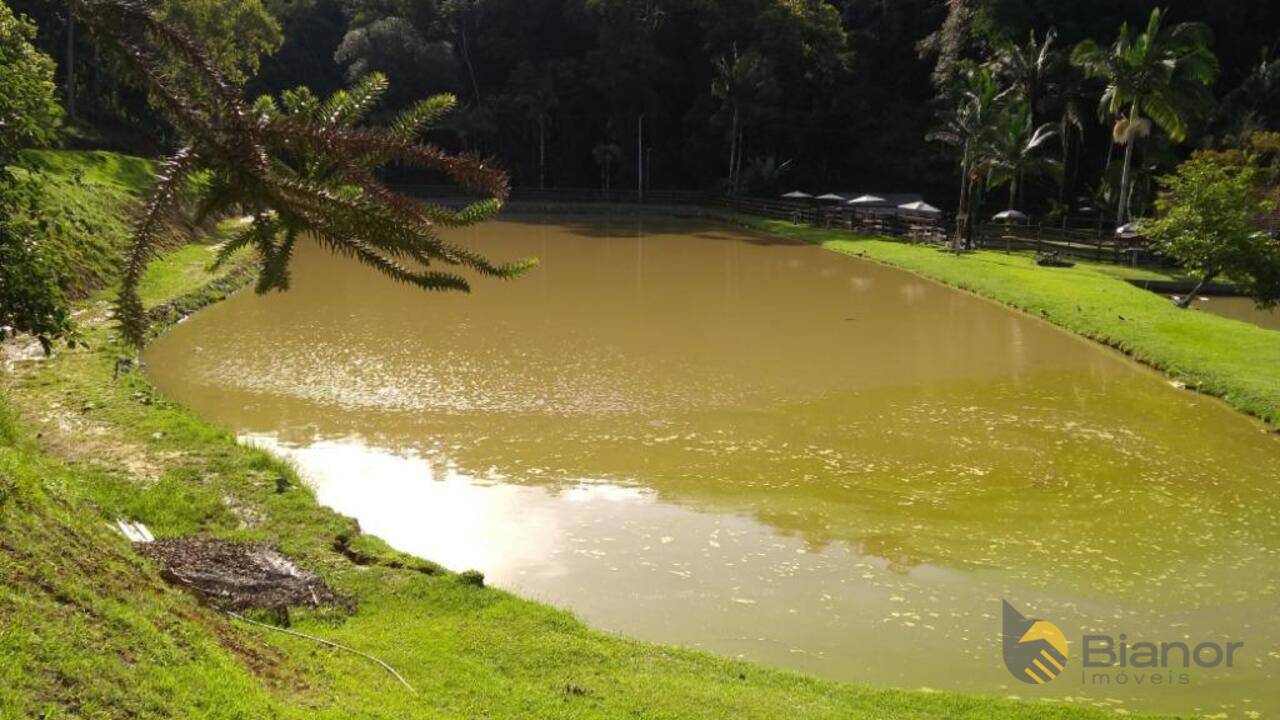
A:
{"points": [[1233, 360], [186, 268], [126, 173], [87, 629], [81, 204]]}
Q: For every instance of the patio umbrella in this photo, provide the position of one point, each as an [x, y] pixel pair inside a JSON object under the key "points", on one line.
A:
{"points": [[831, 197], [1128, 231], [920, 206], [867, 200], [1009, 216], [797, 195]]}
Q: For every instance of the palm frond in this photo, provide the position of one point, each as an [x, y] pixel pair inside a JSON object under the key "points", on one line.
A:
{"points": [[173, 173], [242, 238], [346, 108], [299, 164], [425, 113]]}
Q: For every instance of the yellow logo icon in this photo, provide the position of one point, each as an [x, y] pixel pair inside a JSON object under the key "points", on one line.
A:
{"points": [[1035, 651]]}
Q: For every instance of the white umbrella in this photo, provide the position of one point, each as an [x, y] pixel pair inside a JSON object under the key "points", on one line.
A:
{"points": [[920, 206], [1009, 215], [797, 195], [831, 196], [1128, 231], [867, 200]]}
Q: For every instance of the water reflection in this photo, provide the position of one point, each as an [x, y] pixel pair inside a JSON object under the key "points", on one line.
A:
{"points": [[693, 435]]}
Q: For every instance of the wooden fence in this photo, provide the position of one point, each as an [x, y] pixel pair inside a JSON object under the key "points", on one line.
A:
{"points": [[1080, 244], [885, 223], [796, 211], [912, 227]]}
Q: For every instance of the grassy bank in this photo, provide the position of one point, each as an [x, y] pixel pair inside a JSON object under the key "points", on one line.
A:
{"points": [[87, 628], [1233, 360], [82, 202]]}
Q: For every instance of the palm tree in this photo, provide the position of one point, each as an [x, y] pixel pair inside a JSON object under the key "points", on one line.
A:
{"points": [[1030, 68], [739, 81], [1163, 73], [964, 127], [1009, 151], [305, 169], [1035, 70], [1255, 104], [1068, 102]]}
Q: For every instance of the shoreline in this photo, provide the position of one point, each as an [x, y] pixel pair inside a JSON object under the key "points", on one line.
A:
{"points": [[1233, 361], [133, 453]]}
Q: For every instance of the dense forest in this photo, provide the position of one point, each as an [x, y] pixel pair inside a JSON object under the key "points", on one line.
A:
{"points": [[751, 96]]}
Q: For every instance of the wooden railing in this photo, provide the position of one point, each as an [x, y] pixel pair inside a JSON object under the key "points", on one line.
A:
{"points": [[1081, 244], [912, 227], [796, 211]]}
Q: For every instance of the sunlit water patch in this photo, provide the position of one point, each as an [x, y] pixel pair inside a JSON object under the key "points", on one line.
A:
{"points": [[694, 435]]}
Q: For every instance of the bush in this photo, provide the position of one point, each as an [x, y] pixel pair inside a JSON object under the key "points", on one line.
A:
{"points": [[31, 296], [29, 113], [1208, 210]]}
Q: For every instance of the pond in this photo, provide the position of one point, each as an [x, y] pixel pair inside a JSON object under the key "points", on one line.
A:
{"points": [[1240, 308], [693, 434]]}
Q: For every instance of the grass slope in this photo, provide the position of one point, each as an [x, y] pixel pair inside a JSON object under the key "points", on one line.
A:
{"points": [[82, 205], [87, 629], [1236, 361]]}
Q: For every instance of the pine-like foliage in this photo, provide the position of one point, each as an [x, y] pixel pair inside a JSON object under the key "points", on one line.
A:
{"points": [[298, 165]]}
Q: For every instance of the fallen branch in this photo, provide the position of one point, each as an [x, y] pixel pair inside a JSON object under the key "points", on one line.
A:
{"points": [[330, 643]]}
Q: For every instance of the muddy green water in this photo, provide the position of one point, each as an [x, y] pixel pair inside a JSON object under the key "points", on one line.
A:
{"points": [[1239, 308], [692, 434]]}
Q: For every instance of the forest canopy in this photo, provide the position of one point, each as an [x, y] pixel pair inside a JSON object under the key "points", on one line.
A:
{"points": [[753, 95]]}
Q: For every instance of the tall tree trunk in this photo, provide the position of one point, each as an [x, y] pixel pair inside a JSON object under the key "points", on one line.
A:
{"points": [[542, 151], [1063, 190], [71, 62], [1033, 100], [466, 58], [962, 210], [737, 170], [640, 159], [732, 153], [962, 206], [1123, 209]]}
